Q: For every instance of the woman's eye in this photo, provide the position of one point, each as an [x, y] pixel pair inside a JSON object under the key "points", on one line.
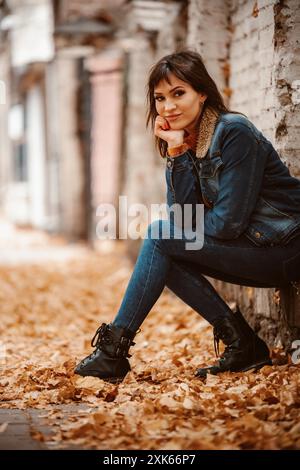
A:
{"points": [[176, 94]]}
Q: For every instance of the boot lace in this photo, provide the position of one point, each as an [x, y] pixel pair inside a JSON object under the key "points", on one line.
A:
{"points": [[102, 333], [103, 336], [96, 341], [216, 344], [228, 348]]}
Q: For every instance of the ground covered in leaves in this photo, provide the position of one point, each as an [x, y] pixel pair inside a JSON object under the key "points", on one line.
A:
{"points": [[49, 312]]}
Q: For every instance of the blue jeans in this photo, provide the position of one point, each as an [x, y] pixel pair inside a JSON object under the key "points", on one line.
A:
{"points": [[166, 262]]}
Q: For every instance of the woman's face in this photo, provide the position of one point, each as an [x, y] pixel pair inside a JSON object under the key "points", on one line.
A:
{"points": [[178, 102]]}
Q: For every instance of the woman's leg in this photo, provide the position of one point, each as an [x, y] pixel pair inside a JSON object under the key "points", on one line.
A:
{"points": [[166, 262], [154, 270], [187, 281]]}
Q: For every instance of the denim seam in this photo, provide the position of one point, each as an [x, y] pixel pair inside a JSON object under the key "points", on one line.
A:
{"points": [[277, 210], [243, 124], [172, 184]]}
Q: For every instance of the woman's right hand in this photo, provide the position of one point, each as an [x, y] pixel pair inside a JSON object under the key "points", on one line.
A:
{"points": [[163, 130]]}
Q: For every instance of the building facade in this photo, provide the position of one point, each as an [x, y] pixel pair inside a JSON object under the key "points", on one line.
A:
{"points": [[72, 129]]}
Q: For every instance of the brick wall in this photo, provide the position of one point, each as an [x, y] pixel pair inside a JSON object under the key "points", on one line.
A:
{"points": [[209, 34], [246, 76], [73, 9], [286, 75], [286, 79]]}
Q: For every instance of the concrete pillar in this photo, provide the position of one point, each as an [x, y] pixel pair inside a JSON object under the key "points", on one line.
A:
{"points": [[36, 156], [67, 147], [5, 147]]}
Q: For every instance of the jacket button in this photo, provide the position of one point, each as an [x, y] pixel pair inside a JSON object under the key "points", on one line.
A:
{"points": [[257, 235]]}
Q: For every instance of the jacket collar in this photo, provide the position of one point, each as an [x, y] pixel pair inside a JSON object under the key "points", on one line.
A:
{"points": [[206, 130]]}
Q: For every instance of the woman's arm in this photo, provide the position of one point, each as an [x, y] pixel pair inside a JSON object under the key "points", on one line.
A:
{"points": [[240, 183], [181, 181], [182, 191]]}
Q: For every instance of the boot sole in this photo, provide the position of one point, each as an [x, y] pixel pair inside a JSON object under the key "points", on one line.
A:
{"points": [[113, 380], [256, 366]]}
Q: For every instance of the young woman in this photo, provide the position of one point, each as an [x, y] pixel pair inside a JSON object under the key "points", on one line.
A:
{"points": [[251, 203]]}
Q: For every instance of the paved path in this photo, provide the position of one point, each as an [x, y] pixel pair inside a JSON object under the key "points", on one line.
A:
{"points": [[20, 424], [19, 246]]}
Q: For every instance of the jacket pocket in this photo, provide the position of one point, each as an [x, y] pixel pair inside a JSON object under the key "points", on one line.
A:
{"points": [[209, 178], [269, 226], [209, 167]]}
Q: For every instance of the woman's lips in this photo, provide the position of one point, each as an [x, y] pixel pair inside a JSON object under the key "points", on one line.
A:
{"points": [[172, 118]]}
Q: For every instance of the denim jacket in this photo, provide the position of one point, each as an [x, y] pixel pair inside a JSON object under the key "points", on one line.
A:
{"points": [[245, 186]]}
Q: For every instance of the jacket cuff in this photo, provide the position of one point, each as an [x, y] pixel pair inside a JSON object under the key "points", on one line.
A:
{"points": [[178, 150]]}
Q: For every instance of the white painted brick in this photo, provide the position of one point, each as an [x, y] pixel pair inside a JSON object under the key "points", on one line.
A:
{"points": [[265, 76], [289, 73], [266, 36], [266, 57], [266, 13], [207, 28]]}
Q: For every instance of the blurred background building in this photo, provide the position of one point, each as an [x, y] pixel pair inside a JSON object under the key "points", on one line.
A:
{"points": [[72, 106]]}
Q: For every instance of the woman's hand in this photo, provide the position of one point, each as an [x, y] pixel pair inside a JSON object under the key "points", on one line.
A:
{"points": [[163, 131]]}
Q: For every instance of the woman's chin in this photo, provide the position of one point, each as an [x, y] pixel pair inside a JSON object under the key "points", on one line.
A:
{"points": [[176, 126]]}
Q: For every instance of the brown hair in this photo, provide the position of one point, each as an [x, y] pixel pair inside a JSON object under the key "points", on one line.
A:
{"points": [[188, 66]]}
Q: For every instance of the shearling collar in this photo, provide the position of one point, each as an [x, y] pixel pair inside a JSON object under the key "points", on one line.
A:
{"points": [[206, 129]]}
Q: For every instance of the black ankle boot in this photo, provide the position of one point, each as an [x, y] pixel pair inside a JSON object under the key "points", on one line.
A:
{"points": [[243, 351], [260, 351], [109, 359]]}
